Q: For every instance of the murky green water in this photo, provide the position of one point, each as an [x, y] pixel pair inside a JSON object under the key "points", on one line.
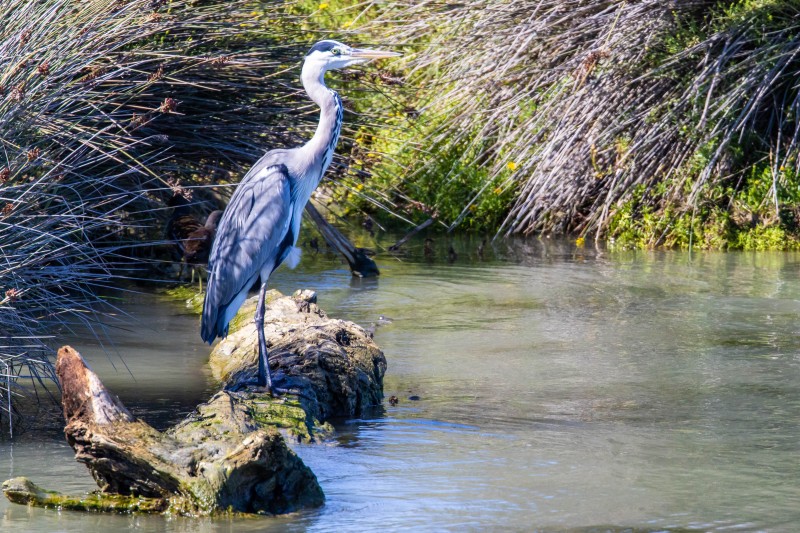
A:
{"points": [[559, 389]]}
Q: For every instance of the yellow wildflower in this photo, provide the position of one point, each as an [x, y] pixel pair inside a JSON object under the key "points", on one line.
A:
{"points": [[360, 186], [512, 166], [323, 5], [580, 241]]}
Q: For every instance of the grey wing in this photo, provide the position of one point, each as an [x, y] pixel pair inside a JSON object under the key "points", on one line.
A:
{"points": [[250, 239]]}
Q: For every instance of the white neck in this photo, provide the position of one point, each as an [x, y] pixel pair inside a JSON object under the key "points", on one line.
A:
{"points": [[320, 148]]}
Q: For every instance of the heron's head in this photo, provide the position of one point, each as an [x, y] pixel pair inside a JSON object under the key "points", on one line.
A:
{"points": [[329, 55]]}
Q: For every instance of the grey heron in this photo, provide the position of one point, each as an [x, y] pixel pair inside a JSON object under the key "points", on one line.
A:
{"points": [[259, 227]]}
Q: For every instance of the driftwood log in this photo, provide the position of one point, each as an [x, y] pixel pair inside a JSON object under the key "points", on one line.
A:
{"points": [[230, 454]]}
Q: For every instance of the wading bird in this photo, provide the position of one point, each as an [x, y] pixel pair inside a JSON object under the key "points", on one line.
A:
{"points": [[192, 240], [259, 227], [180, 224], [197, 245]]}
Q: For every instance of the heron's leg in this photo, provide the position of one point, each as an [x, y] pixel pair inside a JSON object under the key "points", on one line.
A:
{"points": [[264, 379]]}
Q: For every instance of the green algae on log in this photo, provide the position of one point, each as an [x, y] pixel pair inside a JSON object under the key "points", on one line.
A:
{"points": [[25, 492], [334, 366], [229, 456]]}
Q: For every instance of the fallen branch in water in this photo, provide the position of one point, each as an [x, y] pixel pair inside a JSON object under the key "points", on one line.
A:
{"points": [[360, 263], [396, 246]]}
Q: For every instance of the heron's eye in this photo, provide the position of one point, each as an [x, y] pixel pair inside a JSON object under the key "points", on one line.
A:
{"points": [[336, 52]]}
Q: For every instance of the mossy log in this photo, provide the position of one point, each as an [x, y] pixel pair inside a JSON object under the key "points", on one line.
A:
{"points": [[229, 456], [25, 492]]}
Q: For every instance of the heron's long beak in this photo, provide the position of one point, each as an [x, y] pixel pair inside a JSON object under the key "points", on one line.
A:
{"points": [[366, 53]]}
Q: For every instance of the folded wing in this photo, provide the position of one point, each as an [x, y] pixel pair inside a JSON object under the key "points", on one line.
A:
{"points": [[253, 237]]}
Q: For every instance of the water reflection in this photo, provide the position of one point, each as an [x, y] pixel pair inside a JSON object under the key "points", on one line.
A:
{"points": [[560, 388], [364, 284]]}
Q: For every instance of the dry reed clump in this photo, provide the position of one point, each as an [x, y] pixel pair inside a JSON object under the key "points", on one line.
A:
{"points": [[103, 104], [582, 105]]}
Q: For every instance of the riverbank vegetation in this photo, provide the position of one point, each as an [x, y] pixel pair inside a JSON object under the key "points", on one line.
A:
{"points": [[106, 109], [648, 123], [644, 123]]}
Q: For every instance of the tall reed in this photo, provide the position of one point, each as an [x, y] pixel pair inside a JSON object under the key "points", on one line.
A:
{"points": [[582, 106], [104, 106]]}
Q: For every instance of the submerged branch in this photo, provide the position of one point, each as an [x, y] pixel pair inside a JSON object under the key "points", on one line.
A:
{"points": [[361, 264]]}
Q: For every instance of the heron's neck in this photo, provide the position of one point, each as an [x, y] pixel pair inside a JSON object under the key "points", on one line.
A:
{"points": [[321, 146]]}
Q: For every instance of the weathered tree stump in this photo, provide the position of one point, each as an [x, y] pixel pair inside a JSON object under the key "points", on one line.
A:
{"points": [[230, 454]]}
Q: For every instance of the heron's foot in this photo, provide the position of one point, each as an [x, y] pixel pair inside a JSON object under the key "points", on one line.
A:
{"points": [[251, 385], [254, 386]]}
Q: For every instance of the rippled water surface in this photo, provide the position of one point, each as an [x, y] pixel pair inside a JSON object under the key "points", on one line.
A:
{"points": [[560, 389]]}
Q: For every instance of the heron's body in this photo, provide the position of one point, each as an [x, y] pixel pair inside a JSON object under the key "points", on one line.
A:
{"points": [[257, 253], [260, 226]]}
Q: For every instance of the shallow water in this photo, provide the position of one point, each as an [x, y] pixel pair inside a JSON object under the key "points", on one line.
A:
{"points": [[559, 389]]}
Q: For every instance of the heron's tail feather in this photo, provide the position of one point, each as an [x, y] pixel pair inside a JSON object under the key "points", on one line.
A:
{"points": [[217, 315], [209, 328]]}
